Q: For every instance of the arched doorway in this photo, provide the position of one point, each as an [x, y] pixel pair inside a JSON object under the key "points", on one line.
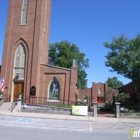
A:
{"points": [[19, 71]]}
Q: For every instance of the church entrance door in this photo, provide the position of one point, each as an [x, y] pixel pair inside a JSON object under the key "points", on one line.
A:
{"points": [[18, 88]]}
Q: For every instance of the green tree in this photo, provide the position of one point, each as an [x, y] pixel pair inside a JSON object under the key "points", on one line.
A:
{"points": [[114, 82], [124, 58], [122, 97], [62, 55]]}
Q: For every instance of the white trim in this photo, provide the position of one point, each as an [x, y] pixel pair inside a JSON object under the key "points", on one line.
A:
{"points": [[49, 89], [44, 31], [55, 66], [53, 101], [12, 94]]}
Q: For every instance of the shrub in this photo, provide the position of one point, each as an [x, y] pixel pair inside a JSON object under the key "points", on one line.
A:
{"points": [[1, 93], [89, 109], [126, 110], [106, 109]]}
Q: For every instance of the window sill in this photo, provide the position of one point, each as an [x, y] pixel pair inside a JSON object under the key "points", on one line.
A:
{"points": [[53, 101], [22, 24]]}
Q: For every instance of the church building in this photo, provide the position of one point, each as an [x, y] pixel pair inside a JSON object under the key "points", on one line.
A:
{"points": [[25, 66]]}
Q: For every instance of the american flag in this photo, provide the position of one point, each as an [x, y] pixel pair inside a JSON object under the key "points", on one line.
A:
{"points": [[2, 83]]}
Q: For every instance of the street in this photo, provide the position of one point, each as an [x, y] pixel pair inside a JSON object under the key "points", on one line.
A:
{"points": [[15, 128]]}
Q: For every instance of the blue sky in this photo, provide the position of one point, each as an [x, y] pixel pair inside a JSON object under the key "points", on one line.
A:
{"points": [[88, 24]]}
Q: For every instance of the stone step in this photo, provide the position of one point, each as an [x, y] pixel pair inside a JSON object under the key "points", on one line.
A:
{"points": [[5, 106]]}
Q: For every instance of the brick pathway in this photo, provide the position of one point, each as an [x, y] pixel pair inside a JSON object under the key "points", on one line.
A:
{"points": [[105, 114]]}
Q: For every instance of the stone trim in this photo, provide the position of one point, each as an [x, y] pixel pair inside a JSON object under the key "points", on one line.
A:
{"points": [[55, 67], [53, 101]]}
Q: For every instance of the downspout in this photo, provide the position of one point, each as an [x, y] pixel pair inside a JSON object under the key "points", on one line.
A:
{"points": [[69, 88], [64, 90]]}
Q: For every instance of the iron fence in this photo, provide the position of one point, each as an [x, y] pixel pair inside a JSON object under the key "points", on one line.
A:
{"points": [[46, 101], [129, 108]]}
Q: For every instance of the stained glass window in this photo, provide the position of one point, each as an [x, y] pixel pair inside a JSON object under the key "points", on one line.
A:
{"points": [[54, 89]]}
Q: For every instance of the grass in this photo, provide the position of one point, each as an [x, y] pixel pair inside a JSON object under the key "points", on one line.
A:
{"points": [[127, 110], [131, 112], [63, 106]]}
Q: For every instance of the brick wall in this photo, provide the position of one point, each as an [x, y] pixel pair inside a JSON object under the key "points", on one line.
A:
{"points": [[128, 88], [32, 36], [35, 38], [83, 93], [67, 79], [0, 70], [98, 91]]}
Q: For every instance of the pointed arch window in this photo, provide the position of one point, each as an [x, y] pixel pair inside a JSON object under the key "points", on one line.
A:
{"points": [[54, 89], [19, 64], [99, 91]]}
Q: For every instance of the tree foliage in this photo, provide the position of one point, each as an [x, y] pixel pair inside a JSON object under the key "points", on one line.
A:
{"points": [[124, 58], [122, 97], [62, 55], [114, 82]]}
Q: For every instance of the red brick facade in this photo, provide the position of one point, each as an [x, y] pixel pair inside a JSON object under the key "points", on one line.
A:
{"points": [[34, 36], [128, 88], [99, 92], [0, 70]]}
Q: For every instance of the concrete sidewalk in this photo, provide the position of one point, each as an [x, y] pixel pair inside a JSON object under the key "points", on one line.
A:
{"points": [[69, 117], [4, 110]]}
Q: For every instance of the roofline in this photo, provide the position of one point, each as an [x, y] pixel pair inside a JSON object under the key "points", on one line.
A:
{"points": [[99, 83], [125, 85], [55, 67]]}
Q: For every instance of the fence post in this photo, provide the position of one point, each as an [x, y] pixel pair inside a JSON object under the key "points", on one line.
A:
{"points": [[95, 109], [117, 109], [19, 102]]}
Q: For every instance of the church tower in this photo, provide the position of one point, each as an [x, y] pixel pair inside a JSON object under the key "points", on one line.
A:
{"points": [[25, 45]]}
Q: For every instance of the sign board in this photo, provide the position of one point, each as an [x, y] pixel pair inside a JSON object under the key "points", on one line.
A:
{"points": [[79, 110], [121, 108]]}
